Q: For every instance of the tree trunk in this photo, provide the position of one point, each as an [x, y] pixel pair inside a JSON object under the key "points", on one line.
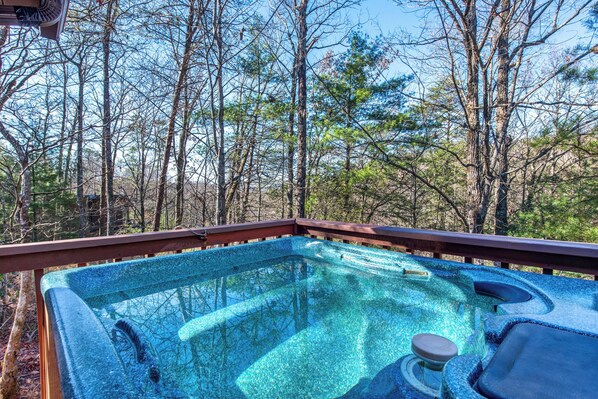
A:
{"points": [[221, 168], [243, 150], [347, 182], [503, 113], [181, 163], [181, 79], [67, 177], [63, 171], [142, 183], [80, 197], [302, 109], [107, 197], [247, 189], [10, 371], [475, 175], [291, 143], [9, 377]]}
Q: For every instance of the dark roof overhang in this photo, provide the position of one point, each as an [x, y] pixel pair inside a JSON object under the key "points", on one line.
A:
{"points": [[48, 15]]}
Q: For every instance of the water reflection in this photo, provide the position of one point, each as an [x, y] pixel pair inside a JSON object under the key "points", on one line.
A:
{"points": [[287, 328]]}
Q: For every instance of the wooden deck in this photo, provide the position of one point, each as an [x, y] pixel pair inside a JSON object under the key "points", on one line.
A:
{"points": [[547, 254]]}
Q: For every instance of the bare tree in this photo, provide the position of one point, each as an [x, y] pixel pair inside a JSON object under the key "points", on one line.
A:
{"points": [[301, 64], [15, 72], [217, 21], [312, 21], [194, 12], [486, 46]]}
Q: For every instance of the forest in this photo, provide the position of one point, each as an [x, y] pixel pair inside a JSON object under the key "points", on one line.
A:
{"points": [[478, 116]]}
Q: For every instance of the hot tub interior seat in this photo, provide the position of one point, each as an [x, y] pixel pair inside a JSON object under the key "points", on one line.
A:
{"points": [[536, 361]]}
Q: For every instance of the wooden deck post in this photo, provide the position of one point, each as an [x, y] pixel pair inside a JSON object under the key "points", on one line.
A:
{"points": [[41, 329], [48, 367], [53, 388]]}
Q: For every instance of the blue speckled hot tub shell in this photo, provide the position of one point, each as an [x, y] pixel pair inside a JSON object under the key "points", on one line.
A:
{"points": [[90, 367]]}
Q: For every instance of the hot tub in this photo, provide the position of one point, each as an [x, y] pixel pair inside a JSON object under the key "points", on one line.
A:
{"points": [[291, 317]]}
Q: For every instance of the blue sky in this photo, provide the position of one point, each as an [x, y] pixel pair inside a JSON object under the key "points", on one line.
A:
{"points": [[376, 17], [387, 17], [384, 16]]}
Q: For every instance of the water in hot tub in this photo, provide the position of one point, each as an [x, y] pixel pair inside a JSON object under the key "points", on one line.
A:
{"points": [[286, 328]]}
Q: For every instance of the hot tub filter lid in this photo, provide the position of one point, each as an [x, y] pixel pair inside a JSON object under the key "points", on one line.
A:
{"points": [[434, 348]]}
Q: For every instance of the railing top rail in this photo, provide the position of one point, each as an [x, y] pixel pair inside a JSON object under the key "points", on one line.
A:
{"points": [[572, 256], [21, 257], [82, 243], [480, 240]]}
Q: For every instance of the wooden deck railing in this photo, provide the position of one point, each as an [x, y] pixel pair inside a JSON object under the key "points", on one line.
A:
{"points": [[39, 256], [549, 255]]}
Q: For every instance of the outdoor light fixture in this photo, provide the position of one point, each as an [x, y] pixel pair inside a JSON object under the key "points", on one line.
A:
{"points": [[48, 15]]}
